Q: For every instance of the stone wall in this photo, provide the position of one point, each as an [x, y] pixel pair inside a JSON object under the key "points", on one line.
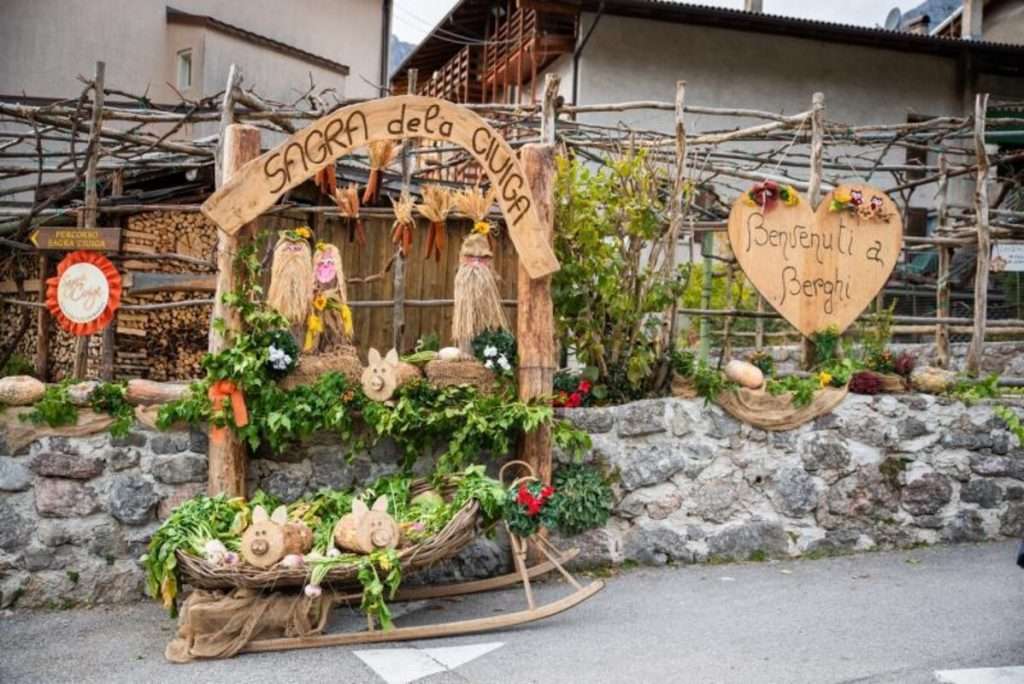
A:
{"points": [[694, 485]]}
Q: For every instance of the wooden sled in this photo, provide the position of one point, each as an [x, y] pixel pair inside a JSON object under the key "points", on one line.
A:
{"points": [[554, 561]]}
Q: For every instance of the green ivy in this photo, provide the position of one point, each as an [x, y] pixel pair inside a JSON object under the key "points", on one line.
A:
{"points": [[54, 408], [109, 398], [710, 382], [582, 500]]}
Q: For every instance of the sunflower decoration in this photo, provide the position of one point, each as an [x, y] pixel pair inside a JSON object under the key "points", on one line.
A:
{"points": [[476, 204], [330, 319]]}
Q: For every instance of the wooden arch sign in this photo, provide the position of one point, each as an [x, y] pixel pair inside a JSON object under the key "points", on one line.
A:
{"points": [[259, 184]]}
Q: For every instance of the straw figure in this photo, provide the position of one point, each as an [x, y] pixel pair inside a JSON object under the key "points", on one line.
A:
{"points": [[330, 320], [401, 231], [291, 278], [437, 203], [477, 300], [381, 154], [348, 208], [475, 203]]}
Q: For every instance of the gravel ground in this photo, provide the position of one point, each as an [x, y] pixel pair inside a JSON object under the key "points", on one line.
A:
{"points": [[879, 618]]}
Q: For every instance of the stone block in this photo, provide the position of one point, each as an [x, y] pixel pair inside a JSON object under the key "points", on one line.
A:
{"points": [[14, 476], [743, 540], [927, 494], [641, 418], [985, 493], [58, 498], [656, 542], [179, 468], [794, 491], [180, 494], [15, 528], [131, 499], [591, 420], [170, 442], [648, 463], [58, 464]]}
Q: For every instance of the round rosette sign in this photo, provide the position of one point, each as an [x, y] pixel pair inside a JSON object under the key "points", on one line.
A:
{"points": [[85, 293]]}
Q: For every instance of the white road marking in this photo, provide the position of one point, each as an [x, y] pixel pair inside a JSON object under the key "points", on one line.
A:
{"points": [[405, 665], [984, 675]]}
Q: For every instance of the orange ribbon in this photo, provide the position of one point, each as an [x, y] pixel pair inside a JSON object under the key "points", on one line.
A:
{"points": [[224, 389]]}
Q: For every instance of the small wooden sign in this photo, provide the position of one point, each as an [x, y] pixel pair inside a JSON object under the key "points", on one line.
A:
{"points": [[85, 293], [70, 239], [818, 269]]}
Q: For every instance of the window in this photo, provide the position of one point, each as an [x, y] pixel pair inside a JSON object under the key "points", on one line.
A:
{"points": [[184, 69]]}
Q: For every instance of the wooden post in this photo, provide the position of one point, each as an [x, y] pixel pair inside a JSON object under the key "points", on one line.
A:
{"points": [[942, 281], [43, 324], [707, 250], [108, 345], [975, 351], [814, 191], [398, 272], [759, 324], [535, 319], [677, 209], [87, 217], [227, 458]]}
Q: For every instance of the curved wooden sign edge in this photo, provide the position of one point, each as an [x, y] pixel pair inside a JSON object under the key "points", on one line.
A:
{"points": [[262, 181]]}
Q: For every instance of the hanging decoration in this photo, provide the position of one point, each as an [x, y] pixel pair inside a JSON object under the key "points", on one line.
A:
{"points": [[477, 299], [475, 203], [852, 200], [381, 154], [291, 278], [437, 203], [767, 193], [348, 208], [85, 293], [326, 180], [330, 319], [401, 231], [218, 392]]}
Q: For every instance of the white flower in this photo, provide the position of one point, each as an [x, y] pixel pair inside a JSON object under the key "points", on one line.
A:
{"points": [[503, 362], [489, 365], [279, 359], [490, 351], [313, 590], [333, 552]]}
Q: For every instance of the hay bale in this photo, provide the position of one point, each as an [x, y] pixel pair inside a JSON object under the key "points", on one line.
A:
{"points": [[344, 360], [449, 373]]}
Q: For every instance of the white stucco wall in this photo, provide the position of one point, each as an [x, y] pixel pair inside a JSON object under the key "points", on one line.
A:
{"points": [[45, 44]]}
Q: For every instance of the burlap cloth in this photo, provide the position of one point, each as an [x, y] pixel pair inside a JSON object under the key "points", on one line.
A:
{"points": [[777, 413], [213, 624]]}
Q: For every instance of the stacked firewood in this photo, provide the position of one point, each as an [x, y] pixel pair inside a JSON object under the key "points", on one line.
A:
{"points": [[168, 232], [161, 344]]}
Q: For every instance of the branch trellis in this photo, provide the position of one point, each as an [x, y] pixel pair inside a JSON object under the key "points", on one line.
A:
{"points": [[52, 151]]}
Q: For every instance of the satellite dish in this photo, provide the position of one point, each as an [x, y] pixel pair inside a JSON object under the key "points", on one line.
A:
{"points": [[894, 19]]}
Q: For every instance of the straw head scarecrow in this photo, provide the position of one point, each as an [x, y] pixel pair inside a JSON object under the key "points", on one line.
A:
{"points": [[330, 319], [291, 278], [477, 299]]}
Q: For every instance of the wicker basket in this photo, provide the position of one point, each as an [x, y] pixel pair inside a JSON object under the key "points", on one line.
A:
{"points": [[468, 372], [459, 532], [344, 360]]}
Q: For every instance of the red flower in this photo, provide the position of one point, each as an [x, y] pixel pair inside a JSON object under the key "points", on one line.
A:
{"points": [[561, 399], [533, 508], [765, 194], [584, 386], [524, 496], [547, 492], [575, 399]]}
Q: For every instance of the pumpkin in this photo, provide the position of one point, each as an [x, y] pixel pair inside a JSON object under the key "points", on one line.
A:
{"points": [[744, 374], [20, 390]]}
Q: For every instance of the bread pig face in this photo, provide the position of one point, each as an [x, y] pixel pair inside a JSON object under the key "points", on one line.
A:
{"points": [[263, 541], [380, 377]]}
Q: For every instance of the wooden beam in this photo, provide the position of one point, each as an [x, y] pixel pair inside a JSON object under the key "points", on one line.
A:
{"points": [[942, 290], [535, 321], [398, 265], [976, 350], [42, 323], [227, 458]]}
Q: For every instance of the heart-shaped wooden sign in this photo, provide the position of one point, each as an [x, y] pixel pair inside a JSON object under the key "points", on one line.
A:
{"points": [[818, 269]]}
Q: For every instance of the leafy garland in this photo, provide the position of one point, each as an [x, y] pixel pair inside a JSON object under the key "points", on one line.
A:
{"points": [[55, 408]]}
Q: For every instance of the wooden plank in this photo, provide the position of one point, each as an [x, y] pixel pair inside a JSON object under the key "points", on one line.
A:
{"points": [[813, 195], [172, 282], [42, 363], [71, 238], [263, 180], [227, 457], [942, 289]]}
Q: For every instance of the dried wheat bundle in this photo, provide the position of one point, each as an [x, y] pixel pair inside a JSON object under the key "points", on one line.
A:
{"points": [[477, 299], [437, 203], [381, 154], [401, 231], [348, 208], [474, 203]]}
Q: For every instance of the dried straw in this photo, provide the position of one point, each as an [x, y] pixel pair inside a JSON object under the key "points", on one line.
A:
{"points": [[401, 231], [474, 202], [291, 281], [437, 203], [381, 154]]}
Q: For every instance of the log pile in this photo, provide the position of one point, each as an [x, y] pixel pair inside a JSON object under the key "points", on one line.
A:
{"points": [[168, 232], [165, 344]]}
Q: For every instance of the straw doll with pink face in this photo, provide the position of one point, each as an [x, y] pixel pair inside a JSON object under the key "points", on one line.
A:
{"points": [[330, 321]]}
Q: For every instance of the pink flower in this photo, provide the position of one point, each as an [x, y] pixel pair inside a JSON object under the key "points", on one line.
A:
{"points": [[313, 591]]}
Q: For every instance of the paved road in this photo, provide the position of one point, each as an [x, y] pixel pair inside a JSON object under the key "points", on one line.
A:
{"points": [[880, 618]]}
